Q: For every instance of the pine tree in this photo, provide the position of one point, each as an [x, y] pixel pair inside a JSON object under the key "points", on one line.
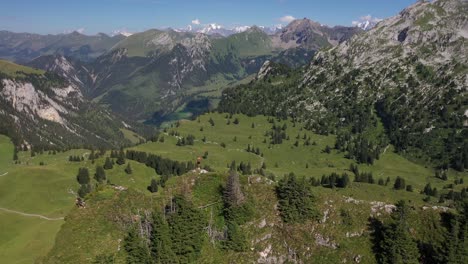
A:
{"points": [[108, 164], [121, 157], [233, 195], [84, 190], [161, 243], [153, 187], [187, 226], [136, 248], [100, 174], [83, 176], [397, 244], [92, 155], [381, 182], [15, 154], [296, 202], [399, 183], [128, 169]]}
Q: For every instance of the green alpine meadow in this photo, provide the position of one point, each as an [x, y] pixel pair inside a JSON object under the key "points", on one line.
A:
{"points": [[234, 142]]}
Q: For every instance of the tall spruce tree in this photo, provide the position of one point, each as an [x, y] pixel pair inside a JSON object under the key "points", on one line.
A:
{"points": [[121, 158], [128, 169], [233, 195], [296, 201], [161, 243], [100, 174], [397, 244], [153, 187], [136, 248], [83, 176], [187, 230], [108, 164]]}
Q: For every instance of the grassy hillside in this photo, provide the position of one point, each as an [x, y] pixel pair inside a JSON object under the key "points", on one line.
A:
{"points": [[100, 228], [283, 158], [30, 193], [253, 42], [14, 70]]}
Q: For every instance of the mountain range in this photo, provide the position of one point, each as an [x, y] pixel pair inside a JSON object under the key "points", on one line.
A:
{"points": [[216, 29], [160, 75], [23, 47], [305, 144], [151, 74], [410, 71]]}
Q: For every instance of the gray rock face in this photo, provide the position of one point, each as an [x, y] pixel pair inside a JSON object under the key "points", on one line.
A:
{"points": [[428, 36]]}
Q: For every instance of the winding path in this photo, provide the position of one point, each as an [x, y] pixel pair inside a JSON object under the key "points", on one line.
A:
{"points": [[31, 215], [4, 174]]}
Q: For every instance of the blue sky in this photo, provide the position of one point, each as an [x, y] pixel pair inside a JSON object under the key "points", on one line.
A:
{"points": [[93, 16]]}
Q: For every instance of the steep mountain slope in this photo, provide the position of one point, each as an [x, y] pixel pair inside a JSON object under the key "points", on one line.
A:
{"points": [[151, 74], [43, 110], [23, 47], [410, 71]]}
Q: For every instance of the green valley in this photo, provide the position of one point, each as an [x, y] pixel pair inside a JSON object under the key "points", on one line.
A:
{"points": [[227, 140]]}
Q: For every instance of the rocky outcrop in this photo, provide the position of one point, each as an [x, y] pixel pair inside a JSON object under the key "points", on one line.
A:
{"points": [[25, 98]]}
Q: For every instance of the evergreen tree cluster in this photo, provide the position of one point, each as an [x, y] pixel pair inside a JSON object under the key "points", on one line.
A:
{"points": [[442, 239], [331, 181], [176, 236], [184, 141], [359, 147], [277, 133], [428, 190], [237, 211], [455, 196], [244, 168], [155, 137], [174, 133], [75, 158], [393, 242], [400, 183], [366, 177], [84, 181], [95, 155], [296, 201], [252, 149], [119, 155], [162, 166]]}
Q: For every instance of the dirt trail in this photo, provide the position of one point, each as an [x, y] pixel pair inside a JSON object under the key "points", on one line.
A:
{"points": [[31, 215]]}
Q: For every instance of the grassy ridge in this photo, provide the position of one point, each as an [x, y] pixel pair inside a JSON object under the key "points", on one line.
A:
{"points": [[13, 69]]}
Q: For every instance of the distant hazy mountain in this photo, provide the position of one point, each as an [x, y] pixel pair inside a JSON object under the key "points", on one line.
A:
{"points": [[216, 29], [366, 25], [23, 47], [162, 70]]}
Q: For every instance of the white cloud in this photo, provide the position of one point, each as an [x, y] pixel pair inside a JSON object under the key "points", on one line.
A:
{"points": [[369, 18], [196, 21], [121, 31], [287, 19]]}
